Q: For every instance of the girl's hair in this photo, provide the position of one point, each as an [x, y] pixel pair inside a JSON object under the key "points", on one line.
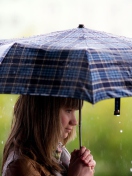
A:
{"points": [[36, 128]]}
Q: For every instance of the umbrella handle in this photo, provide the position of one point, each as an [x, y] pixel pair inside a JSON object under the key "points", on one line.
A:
{"points": [[80, 124], [117, 107]]}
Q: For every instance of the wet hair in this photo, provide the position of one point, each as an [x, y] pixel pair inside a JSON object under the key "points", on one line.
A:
{"points": [[36, 128]]}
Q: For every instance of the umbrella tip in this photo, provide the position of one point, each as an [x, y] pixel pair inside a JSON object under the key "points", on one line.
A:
{"points": [[81, 26]]}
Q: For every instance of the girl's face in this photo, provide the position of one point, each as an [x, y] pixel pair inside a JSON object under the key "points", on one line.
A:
{"points": [[68, 120]]}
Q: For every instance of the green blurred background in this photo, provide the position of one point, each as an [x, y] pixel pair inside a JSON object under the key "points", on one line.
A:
{"points": [[107, 136]]}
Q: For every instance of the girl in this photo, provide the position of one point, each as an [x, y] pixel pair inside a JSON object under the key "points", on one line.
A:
{"points": [[36, 145]]}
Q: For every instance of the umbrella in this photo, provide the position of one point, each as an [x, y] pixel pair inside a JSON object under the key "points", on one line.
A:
{"points": [[80, 63]]}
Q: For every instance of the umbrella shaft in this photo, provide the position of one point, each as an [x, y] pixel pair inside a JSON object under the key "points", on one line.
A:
{"points": [[80, 125]]}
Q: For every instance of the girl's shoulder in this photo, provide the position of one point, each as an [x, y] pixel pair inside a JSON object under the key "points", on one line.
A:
{"points": [[23, 166]]}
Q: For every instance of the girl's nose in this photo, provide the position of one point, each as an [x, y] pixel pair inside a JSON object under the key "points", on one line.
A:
{"points": [[73, 120]]}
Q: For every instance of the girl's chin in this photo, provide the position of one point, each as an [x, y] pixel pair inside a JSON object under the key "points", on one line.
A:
{"points": [[65, 135]]}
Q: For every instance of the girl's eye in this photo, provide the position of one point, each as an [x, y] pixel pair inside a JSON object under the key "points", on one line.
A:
{"points": [[68, 110]]}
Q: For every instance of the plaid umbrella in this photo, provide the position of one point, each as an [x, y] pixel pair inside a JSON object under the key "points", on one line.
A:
{"points": [[79, 63]]}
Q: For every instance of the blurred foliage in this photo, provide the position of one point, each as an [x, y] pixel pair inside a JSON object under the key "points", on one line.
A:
{"points": [[107, 136], [6, 110]]}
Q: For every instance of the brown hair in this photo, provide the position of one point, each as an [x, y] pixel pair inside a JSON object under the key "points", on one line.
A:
{"points": [[36, 128]]}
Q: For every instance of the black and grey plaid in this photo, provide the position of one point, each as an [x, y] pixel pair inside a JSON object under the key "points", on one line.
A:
{"points": [[79, 63]]}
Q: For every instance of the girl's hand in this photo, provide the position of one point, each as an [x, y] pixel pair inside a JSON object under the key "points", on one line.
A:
{"points": [[81, 163], [86, 157]]}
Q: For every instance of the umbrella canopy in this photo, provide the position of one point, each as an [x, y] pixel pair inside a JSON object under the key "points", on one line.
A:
{"points": [[79, 63]]}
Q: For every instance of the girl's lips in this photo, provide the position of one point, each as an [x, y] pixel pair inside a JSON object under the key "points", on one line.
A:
{"points": [[68, 129]]}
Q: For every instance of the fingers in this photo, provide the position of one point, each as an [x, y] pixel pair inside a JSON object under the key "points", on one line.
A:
{"points": [[87, 158], [81, 162], [84, 152], [74, 155], [80, 152], [92, 164]]}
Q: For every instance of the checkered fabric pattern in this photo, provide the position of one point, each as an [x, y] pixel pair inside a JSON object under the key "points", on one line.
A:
{"points": [[79, 63]]}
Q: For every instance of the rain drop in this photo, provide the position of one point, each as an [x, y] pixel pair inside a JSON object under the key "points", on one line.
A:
{"points": [[2, 142], [121, 157], [130, 169], [121, 148], [119, 122], [11, 99], [121, 131]]}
